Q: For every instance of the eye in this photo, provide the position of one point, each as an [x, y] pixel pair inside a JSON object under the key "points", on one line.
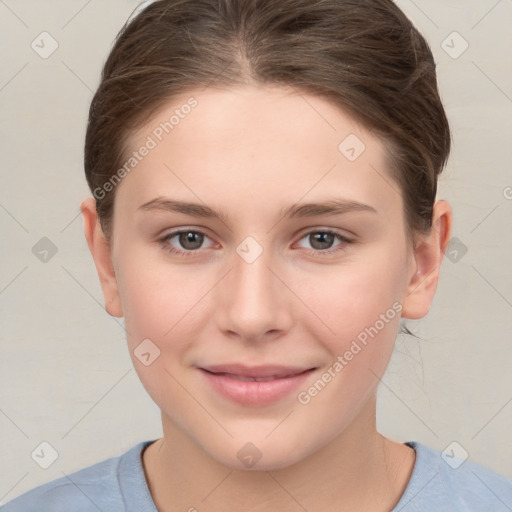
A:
{"points": [[191, 240], [322, 240]]}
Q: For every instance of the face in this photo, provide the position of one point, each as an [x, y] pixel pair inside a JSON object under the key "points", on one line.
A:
{"points": [[308, 297]]}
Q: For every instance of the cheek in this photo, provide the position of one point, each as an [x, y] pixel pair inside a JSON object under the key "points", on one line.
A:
{"points": [[349, 298], [360, 314], [157, 298], [161, 309]]}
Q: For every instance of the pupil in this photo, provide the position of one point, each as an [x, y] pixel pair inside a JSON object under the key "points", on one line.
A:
{"points": [[189, 237], [322, 238]]}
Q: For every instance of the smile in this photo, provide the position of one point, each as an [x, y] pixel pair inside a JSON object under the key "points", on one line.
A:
{"points": [[257, 386]]}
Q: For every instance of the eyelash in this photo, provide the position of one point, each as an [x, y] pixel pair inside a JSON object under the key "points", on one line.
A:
{"points": [[164, 242]]}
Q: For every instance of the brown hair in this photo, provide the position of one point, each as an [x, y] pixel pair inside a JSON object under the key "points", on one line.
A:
{"points": [[363, 55]]}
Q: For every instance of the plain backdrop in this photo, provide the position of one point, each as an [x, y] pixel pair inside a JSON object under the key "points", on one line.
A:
{"points": [[66, 375]]}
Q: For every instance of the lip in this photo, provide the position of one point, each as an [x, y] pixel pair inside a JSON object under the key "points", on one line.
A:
{"points": [[238, 383]]}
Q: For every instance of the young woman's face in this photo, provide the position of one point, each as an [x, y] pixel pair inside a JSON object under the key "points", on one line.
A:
{"points": [[269, 287]]}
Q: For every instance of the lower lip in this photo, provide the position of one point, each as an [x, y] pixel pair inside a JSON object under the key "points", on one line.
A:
{"points": [[255, 393]]}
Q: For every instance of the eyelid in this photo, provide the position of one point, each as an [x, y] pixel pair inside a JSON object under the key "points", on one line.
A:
{"points": [[326, 229]]}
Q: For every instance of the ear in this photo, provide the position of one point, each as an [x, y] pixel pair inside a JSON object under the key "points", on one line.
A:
{"points": [[427, 257], [101, 252]]}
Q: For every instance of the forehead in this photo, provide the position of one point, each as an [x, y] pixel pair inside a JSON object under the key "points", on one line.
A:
{"points": [[251, 142]]}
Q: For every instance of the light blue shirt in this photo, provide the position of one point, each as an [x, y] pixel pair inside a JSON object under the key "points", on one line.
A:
{"points": [[118, 484]]}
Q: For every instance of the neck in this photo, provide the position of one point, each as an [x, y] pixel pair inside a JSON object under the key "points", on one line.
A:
{"points": [[358, 470]]}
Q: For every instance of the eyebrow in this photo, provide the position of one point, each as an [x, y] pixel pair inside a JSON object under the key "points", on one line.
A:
{"points": [[330, 207]]}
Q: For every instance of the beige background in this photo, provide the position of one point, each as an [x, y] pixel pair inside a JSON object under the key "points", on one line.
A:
{"points": [[66, 375]]}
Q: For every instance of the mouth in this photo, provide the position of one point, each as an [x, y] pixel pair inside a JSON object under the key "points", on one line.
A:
{"points": [[258, 373], [250, 379], [255, 386]]}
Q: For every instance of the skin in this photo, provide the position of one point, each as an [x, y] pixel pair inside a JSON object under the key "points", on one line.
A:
{"points": [[249, 152]]}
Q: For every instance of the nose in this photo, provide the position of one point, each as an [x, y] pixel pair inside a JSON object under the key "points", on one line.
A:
{"points": [[254, 302]]}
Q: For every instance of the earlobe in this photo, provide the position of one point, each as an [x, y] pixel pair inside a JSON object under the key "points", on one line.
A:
{"points": [[101, 252], [428, 256]]}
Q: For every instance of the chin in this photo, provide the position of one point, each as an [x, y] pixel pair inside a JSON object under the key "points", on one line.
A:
{"points": [[269, 456]]}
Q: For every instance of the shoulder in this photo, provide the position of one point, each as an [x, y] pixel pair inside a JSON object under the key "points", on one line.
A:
{"points": [[446, 482], [101, 486]]}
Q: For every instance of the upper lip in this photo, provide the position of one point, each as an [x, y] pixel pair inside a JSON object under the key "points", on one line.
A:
{"points": [[256, 371]]}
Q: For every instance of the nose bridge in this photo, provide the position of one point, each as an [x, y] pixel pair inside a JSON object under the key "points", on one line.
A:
{"points": [[254, 298], [252, 270]]}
